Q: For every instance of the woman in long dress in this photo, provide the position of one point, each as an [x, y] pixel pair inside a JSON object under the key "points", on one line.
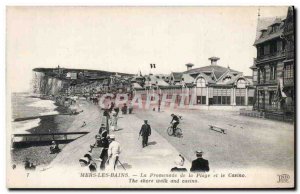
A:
{"points": [[114, 121]]}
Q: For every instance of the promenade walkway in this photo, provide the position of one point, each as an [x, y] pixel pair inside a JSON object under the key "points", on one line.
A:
{"points": [[158, 155]]}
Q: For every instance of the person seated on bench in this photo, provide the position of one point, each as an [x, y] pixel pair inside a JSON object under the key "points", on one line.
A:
{"points": [[54, 148], [101, 140], [29, 165]]}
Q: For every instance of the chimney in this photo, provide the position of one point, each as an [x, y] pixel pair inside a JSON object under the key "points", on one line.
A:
{"points": [[213, 60], [189, 66]]}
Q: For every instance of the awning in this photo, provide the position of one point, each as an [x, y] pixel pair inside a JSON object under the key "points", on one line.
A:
{"points": [[280, 93]]}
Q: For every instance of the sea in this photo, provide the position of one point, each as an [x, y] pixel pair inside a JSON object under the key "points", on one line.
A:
{"points": [[28, 105]]}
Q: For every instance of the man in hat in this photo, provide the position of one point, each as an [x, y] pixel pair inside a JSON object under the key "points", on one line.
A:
{"points": [[106, 117], [114, 151], [104, 152], [102, 128], [145, 132], [200, 164], [175, 121], [54, 148]]}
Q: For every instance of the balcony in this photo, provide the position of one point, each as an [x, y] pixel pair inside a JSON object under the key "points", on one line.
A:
{"points": [[290, 55], [270, 56]]}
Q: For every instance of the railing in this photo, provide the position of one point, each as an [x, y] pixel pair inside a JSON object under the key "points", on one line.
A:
{"points": [[271, 55], [252, 113], [44, 138], [273, 108], [274, 115]]}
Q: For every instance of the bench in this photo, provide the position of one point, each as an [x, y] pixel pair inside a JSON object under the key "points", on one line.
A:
{"points": [[217, 129]]}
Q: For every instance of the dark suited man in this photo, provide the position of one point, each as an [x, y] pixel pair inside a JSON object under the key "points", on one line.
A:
{"points": [[145, 132], [200, 164]]}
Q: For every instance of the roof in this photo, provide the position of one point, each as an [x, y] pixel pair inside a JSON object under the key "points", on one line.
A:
{"points": [[263, 24], [136, 86], [187, 78], [207, 78], [137, 78], [153, 80], [161, 82], [216, 69], [177, 76]]}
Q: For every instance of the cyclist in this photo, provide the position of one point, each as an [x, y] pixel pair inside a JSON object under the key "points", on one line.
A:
{"points": [[176, 122]]}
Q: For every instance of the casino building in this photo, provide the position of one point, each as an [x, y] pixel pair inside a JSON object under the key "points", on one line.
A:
{"points": [[215, 85], [209, 87]]}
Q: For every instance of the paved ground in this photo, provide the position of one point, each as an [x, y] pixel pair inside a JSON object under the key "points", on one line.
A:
{"points": [[160, 154], [249, 142]]}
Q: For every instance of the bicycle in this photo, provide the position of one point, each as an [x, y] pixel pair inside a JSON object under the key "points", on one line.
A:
{"points": [[178, 131]]}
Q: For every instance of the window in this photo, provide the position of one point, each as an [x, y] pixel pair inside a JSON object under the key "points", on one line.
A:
{"points": [[250, 100], [280, 45], [201, 99], [201, 95], [289, 71], [262, 75], [273, 72], [266, 49], [274, 28], [241, 83], [240, 96], [273, 47], [226, 79], [260, 51], [263, 33], [221, 96], [254, 75], [201, 83], [251, 93], [272, 101]]}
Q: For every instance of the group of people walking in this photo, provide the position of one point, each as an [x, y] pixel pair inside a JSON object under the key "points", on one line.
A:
{"points": [[110, 149], [107, 155]]}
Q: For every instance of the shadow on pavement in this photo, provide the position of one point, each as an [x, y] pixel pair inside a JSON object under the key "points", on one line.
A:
{"points": [[119, 129], [125, 165], [152, 143]]}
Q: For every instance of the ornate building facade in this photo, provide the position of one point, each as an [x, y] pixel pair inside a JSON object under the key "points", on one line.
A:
{"points": [[273, 69]]}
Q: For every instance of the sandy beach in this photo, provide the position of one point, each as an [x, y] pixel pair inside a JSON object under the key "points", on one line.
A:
{"points": [[40, 155]]}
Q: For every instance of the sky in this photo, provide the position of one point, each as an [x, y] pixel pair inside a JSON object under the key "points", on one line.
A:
{"points": [[128, 39]]}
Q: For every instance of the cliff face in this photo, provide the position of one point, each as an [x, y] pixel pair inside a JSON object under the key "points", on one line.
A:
{"points": [[46, 85]]}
